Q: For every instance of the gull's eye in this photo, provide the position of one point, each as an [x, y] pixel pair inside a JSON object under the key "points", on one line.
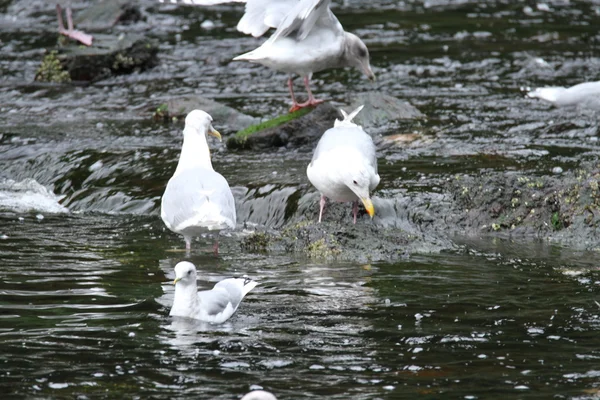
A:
{"points": [[190, 272], [356, 183]]}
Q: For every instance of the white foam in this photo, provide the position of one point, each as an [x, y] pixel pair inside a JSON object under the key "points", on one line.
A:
{"points": [[28, 196]]}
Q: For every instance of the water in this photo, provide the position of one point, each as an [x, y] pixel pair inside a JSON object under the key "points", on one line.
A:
{"points": [[84, 296]]}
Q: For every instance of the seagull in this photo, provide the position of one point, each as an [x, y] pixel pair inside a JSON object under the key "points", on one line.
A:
{"points": [[308, 38], [587, 93], [216, 305], [259, 395], [344, 165], [69, 31], [197, 198]]}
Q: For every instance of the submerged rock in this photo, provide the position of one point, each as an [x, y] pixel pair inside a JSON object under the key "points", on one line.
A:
{"points": [[105, 14]]}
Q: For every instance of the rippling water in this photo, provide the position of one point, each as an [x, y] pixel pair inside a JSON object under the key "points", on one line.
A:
{"points": [[84, 308], [84, 296]]}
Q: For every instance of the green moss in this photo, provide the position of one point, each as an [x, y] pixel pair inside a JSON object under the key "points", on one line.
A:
{"points": [[321, 249], [51, 70], [258, 241], [555, 221], [282, 119]]}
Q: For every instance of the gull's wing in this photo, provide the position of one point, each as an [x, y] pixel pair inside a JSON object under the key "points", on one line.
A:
{"points": [[225, 297], [198, 196], [303, 17], [343, 137], [262, 15]]}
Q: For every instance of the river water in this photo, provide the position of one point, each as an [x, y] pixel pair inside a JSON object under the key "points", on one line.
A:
{"points": [[86, 265]]}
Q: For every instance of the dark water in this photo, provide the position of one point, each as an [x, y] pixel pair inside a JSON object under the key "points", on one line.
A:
{"points": [[84, 296]]}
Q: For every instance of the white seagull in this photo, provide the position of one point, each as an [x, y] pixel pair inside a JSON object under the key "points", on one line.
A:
{"points": [[587, 93], [197, 198], [344, 165], [308, 38], [216, 305]]}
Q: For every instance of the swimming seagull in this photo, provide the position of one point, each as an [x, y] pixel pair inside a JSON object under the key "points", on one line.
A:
{"points": [[344, 165], [259, 395], [587, 93], [216, 305], [197, 198], [308, 38]]}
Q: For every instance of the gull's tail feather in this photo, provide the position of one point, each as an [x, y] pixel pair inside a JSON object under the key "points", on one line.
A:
{"points": [[248, 286], [253, 55], [347, 121]]}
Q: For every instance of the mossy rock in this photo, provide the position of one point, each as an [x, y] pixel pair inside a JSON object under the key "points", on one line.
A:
{"points": [[304, 126]]}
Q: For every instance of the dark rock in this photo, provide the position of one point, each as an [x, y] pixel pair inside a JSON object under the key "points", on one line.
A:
{"points": [[306, 129], [105, 14], [381, 110], [109, 55], [564, 209], [222, 115]]}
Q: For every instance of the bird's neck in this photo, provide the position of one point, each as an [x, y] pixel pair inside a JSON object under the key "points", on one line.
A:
{"points": [[186, 298], [194, 152]]}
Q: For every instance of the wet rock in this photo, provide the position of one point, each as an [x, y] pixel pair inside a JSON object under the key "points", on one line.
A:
{"points": [[307, 125], [564, 209], [381, 110], [179, 107], [105, 14], [302, 127], [109, 55]]}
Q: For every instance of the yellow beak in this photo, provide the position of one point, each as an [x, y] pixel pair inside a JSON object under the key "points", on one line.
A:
{"points": [[176, 280], [369, 207], [213, 132]]}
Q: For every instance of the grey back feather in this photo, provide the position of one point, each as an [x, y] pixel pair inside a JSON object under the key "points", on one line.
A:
{"points": [[185, 193]]}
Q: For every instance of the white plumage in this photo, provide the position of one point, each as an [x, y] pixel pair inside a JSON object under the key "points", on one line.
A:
{"points": [[587, 94], [216, 305], [344, 165], [197, 198]]}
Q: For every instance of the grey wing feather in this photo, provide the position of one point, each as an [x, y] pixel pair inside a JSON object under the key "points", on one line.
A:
{"points": [[354, 137], [304, 16], [214, 301], [261, 15], [192, 189]]}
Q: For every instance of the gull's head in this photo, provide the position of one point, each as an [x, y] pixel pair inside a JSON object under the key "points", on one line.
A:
{"points": [[185, 273], [357, 55], [200, 122], [358, 180]]}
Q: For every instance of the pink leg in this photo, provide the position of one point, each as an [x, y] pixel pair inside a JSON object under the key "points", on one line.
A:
{"points": [[188, 243], [295, 105], [216, 247], [355, 210], [322, 206], [70, 32], [311, 99]]}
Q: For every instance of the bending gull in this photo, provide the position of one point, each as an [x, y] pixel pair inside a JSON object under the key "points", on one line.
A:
{"points": [[344, 165], [216, 305], [308, 38], [197, 198], [587, 93]]}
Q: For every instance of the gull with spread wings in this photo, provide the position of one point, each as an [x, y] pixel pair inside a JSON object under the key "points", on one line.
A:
{"points": [[308, 38]]}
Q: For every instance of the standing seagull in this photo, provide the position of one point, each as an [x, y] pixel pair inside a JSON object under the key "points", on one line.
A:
{"points": [[308, 38], [215, 305], [344, 165], [197, 198]]}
